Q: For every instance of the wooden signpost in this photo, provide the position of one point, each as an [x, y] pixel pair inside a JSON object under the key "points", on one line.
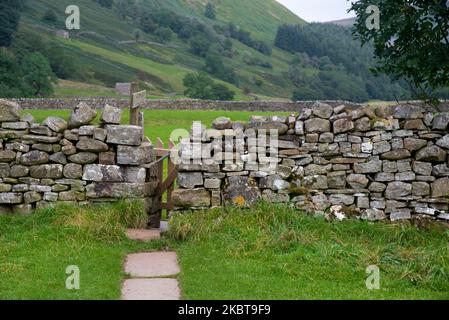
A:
{"points": [[137, 101]]}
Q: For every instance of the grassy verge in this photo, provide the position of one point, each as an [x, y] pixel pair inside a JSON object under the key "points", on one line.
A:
{"points": [[277, 253], [269, 252], [35, 251]]}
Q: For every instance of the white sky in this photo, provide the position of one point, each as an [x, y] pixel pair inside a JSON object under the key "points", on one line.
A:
{"points": [[319, 10]]}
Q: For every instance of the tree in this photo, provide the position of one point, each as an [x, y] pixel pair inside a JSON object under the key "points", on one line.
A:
{"points": [[11, 81], [215, 65], [412, 41], [137, 33], [10, 11], [199, 45], [200, 86], [210, 11], [38, 74], [50, 16], [163, 34], [105, 3]]}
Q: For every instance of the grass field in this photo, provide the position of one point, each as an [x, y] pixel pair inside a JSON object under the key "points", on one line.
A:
{"points": [[270, 252]]}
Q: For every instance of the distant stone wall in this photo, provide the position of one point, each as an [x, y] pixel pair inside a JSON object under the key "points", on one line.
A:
{"points": [[335, 160], [71, 161]]}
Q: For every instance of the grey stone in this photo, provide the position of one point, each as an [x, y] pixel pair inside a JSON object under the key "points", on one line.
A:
{"points": [[19, 147], [191, 198], [274, 182], [326, 137], [373, 215], [267, 124], [9, 111], [125, 135], [398, 190], [405, 176], [440, 121], [421, 189], [140, 155], [336, 180], [440, 170], [378, 204], [377, 187], [322, 110], [422, 168], [103, 173], [416, 124], [212, 183], [5, 187], [343, 125], [69, 150], [56, 124], [381, 147], [70, 135], [444, 142], [58, 157], [409, 112], [50, 196], [431, 154], [111, 115], [34, 157], [73, 171], [363, 124], [107, 158], [92, 145], [41, 130], [7, 155], [241, 191], [401, 214], [81, 115], [397, 154], [32, 197], [346, 200], [222, 123], [413, 144], [299, 128], [49, 171], [71, 196], [440, 188], [18, 171], [100, 134], [314, 169], [372, 166], [315, 182], [87, 130], [41, 139], [190, 180], [122, 190], [357, 181], [11, 197], [317, 126], [15, 125], [135, 175]]}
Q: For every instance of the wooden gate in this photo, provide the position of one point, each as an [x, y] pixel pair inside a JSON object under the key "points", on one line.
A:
{"points": [[165, 172]]}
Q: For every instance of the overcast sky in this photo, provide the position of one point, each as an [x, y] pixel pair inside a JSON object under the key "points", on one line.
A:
{"points": [[319, 10]]}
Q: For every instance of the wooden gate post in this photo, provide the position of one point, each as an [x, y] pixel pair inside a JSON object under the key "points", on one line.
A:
{"points": [[136, 102]]}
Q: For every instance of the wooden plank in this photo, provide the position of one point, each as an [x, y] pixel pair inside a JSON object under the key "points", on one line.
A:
{"points": [[171, 170], [133, 112], [139, 99]]}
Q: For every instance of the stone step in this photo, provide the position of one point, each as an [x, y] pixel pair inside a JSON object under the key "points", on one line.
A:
{"points": [[150, 289], [152, 265], [143, 235]]}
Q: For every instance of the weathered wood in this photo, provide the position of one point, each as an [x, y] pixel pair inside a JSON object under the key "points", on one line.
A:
{"points": [[133, 112], [168, 184]]}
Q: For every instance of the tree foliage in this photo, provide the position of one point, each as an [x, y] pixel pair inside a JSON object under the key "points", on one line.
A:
{"points": [[210, 11], [10, 11], [200, 86], [413, 39], [37, 73]]}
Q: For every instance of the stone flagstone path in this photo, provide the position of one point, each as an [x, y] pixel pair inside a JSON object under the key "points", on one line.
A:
{"points": [[152, 277]]}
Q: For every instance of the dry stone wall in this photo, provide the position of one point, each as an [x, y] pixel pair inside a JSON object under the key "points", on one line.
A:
{"points": [[340, 161], [71, 161]]}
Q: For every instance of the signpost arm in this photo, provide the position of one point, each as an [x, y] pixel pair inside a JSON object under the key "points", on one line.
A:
{"points": [[133, 112]]}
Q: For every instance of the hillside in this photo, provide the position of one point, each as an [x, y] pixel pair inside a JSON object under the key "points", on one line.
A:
{"points": [[250, 50], [105, 52]]}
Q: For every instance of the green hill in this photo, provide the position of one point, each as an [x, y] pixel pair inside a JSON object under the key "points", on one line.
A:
{"points": [[104, 51]]}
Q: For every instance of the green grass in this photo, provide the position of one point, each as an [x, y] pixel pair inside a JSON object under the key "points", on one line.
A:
{"points": [[35, 251], [161, 123], [273, 252], [269, 252]]}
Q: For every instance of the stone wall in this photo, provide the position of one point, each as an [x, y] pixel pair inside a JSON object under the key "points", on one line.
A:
{"points": [[339, 161], [186, 104], [71, 161]]}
